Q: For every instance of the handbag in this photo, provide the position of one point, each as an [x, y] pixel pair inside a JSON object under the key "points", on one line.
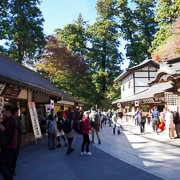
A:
{"points": [[3, 140]]}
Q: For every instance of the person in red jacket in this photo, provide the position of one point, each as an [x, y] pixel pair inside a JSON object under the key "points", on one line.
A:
{"points": [[85, 130]]}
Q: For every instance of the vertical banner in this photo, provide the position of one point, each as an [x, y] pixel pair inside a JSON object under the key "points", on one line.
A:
{"points": [[1, 104], [48, 108], [34, 120], [52, 104]]}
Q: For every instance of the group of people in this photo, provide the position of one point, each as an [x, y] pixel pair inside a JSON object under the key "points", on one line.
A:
{"points": [[168, 120], [10, 140], [65, 125]]}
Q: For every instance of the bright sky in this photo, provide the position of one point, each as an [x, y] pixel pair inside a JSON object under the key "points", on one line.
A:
{"points": [[58, 13]]}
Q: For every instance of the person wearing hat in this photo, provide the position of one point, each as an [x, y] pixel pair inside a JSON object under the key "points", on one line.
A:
{"points": [[116, 123]]}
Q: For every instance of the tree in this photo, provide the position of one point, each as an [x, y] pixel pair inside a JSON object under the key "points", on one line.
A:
{"points": [[24, 33], [138, 28], [171, 47], [65, 70], [104, 54], [74, 36], [166, 13]]}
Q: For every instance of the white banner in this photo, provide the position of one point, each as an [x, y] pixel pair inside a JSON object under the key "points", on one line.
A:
{"points": [[136, 103], [1, 104], [48, 108], [52, 104], [34, 120]]}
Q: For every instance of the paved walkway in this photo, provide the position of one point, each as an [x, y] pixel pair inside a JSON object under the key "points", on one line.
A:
{"points": [[152, 153], [37, 162]]}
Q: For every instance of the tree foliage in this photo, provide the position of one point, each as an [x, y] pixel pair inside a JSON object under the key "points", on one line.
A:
{"points": [[138, 28], [65, 70], [22, 28], [171, 48], [166, 13]]}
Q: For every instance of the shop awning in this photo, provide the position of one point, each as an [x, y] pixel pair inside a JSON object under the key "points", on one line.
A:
{"points": [[149, 93]]}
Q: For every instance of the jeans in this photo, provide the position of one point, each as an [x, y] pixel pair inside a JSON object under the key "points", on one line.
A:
{"points": [[69, 147], [15, 156], [97, 133], [142, 127], [6, 157], [51, 140], [86, 142], [177, 128]]}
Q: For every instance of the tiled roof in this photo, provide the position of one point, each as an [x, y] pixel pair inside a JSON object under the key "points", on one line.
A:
{"points": [[18, 74]]}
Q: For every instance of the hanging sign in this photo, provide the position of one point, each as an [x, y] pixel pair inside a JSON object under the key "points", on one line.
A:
{"points": [[136, 103], [52, 104], [48, 108], [1, 103], [12, 91], [34, 120]]}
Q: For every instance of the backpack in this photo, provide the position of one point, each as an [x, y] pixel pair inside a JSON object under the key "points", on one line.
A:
{"points": [[67, 126], [60, 123], [78, 126]]}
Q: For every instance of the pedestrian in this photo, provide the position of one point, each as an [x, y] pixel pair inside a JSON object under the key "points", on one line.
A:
{"points": [[60, 132], [141, 120], [95, 124], [70, 135], [19, 140], [51, 127], [8, 127], [155, 119], [85, 131], [169, 124], [116, 123], [136, 116], [109, 116], [161, 124], [177, 123]]}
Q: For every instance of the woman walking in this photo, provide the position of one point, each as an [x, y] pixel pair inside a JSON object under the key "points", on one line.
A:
{"points": [[85, 130]]}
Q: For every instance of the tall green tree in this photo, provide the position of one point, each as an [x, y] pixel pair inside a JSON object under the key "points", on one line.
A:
{"points": [[74, 36], [138, 28], [166, 13], [24, 34], [104, 54]]}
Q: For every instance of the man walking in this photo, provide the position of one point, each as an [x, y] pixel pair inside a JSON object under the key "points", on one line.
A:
{"points": [[95, 124]]}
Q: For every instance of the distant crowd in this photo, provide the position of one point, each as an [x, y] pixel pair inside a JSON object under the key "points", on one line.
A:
{"points": [[167, 120]]}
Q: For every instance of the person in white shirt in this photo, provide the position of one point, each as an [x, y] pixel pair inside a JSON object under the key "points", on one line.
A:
{"points": [[169, 124], [116, 123]]}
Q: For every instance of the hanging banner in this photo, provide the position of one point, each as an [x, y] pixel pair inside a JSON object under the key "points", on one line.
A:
{"points": [[52, 104], [136, 103], [34, 120], [48, 108], [1, 104]]}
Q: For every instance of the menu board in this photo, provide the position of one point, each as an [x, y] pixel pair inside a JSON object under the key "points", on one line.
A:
{"points": [[11, 90]]}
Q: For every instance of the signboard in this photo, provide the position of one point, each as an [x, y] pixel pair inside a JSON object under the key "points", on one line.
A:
{"points": [[136, 103], [34, 120], [2, 86], [12, 91], [1, 103]]}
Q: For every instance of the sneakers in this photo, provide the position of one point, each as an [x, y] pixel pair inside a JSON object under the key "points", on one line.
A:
{"points": [[88, 153], [83, 153]]}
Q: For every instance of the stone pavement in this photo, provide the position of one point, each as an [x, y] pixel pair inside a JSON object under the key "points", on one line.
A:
{"points": [[152, 153], [37, 162]]}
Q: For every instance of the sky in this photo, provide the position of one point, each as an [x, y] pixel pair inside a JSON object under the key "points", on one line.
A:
{"points": [[59, 13]]}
